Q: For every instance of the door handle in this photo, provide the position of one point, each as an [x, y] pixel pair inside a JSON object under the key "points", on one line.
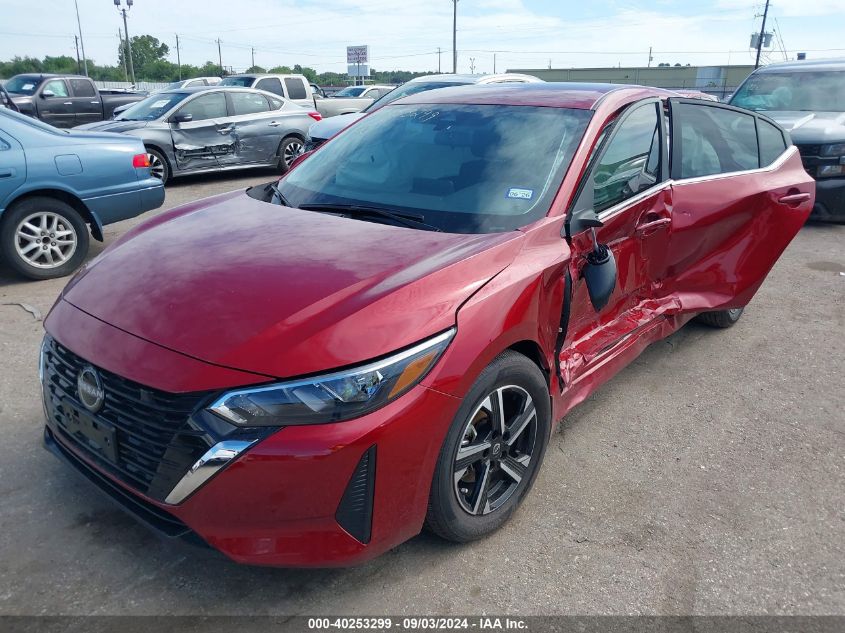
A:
{"points": [[274, 124], [794, 199], [68, 102], [94, 102], [225, 130], [7, 173], [651, 225]]}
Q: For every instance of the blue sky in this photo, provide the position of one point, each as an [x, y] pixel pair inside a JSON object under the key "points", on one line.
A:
{"points": [[406, 35]]}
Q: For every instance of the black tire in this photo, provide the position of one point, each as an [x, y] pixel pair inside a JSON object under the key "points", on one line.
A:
{"points": [[720, 318], [34, 264], [447, 517], [289, 149], [159, 167]]}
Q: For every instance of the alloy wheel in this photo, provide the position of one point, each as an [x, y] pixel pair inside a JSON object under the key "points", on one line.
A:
{"points": [[157, 167], [45, 240], [496, 449], [291, 151]]}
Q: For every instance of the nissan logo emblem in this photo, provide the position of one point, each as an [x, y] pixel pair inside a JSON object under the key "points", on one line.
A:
{"points": [[90, 389]]}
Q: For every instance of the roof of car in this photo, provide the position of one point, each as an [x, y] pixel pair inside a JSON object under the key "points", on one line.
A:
{"points": [[582, 96], [193, 89], [472, 79], [808, 65]]}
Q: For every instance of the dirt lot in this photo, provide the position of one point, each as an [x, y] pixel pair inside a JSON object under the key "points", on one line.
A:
{"points": [[709, 477]]}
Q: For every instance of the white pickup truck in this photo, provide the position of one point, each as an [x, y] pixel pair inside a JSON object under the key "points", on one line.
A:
{"points": [[297, 88]]}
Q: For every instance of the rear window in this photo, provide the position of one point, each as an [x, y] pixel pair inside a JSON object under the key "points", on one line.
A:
{"points": [[243, 82], [295, 88], [463, 168], [82, 88], [248, 103]]}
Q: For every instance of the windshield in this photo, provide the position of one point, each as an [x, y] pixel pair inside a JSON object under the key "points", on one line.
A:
{"points": [[243, 82], [350, 91], [22, 85], [153, 107], [795, 91], [461, 168], [410, 88]]}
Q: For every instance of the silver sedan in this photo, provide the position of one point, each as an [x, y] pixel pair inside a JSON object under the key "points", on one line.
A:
{"points": [[207, 128]]}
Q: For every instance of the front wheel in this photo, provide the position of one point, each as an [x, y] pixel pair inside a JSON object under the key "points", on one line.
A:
{"points": [[492, 452], [43, 238]]}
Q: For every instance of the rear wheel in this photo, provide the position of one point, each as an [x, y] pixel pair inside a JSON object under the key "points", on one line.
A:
{"points": [[289, 149], [43, 238], [720, 318], [492, 452], [158, 165]]}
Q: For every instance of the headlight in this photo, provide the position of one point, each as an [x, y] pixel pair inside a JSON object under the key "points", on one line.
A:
{"points": [[332, 397], [837, 149], [831, 171]]}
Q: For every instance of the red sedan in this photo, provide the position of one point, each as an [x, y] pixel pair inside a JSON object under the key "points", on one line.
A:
{"points": [[308, 373]]}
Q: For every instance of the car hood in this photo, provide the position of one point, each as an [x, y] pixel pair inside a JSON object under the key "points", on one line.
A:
{"points": [[113, 125], [283, 292], [327, 128], [812, 127]]}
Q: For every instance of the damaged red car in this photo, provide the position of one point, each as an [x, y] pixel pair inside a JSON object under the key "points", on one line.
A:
{"points": [[308, 373]]}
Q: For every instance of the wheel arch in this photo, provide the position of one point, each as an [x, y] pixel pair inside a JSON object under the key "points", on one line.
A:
{"points": [[68, 198], [148, 145]]}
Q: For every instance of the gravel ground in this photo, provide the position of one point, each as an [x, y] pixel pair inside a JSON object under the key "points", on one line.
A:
{"points": [[707, 478]]}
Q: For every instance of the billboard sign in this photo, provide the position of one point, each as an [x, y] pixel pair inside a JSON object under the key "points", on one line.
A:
{"points": [[357, 54]]}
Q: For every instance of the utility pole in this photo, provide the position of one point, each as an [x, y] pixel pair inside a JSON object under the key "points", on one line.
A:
{"points": [[123, 11], [81, 41], [438, 60], [253, 56], [472, 65], [650, 58], [219, 57], [494, 63], [78, 63], [178, 57], [762, 34], [120, 39], [454, 37]]}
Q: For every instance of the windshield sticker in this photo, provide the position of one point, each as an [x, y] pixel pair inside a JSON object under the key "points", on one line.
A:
{"points": [[159, 104], [520, 194]]}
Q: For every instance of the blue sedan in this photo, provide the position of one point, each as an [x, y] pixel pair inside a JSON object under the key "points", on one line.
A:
{"points": [[54, 184]]}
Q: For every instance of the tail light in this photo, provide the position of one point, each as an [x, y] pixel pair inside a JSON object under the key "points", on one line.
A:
{"points": [[316, 116], [140, 160]]}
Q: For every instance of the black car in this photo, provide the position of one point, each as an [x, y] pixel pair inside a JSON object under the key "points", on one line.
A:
{"points": [[808, 99], [66, 100]]}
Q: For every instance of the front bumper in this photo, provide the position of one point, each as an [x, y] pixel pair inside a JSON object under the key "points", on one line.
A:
{"points": [[830, 200], [286, 500]]}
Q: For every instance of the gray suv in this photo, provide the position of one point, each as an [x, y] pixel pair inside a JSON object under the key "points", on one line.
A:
{"points": [[807, 98], [207, 128]]}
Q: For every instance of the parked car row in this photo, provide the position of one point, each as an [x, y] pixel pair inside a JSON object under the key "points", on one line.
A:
{"points": [[397, 323]]}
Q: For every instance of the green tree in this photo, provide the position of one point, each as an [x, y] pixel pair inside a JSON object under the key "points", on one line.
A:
{"points": [[146, 50], [281, 70], [256, 69]]}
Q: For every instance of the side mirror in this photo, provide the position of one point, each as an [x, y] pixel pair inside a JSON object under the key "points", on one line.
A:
{"points": [[183, 118], [600, 270], [300, 158], [47, 93]]}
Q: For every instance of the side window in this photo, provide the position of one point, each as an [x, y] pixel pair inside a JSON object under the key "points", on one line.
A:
{"points": [[248, 103], [296, 89], [631, 162], [713, 140], [196, 82], [57, 86], [210, 106], [4, 146], [772, 143], [271, 84], [82, 88], [275, 104]]}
